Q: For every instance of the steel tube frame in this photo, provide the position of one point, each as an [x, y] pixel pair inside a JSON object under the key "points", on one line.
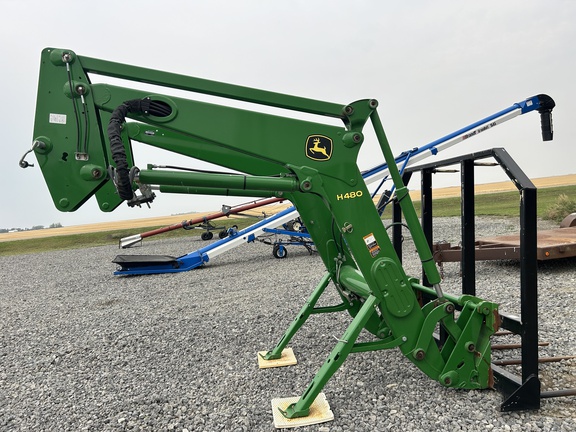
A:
{"points": [[523, 392]]}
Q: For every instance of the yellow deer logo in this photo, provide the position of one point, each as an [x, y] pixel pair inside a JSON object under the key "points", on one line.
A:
{"points": [[319, 147]]}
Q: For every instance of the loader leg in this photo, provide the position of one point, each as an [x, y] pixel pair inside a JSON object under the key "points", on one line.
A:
{"points": [[334, 360], [297, 323]]}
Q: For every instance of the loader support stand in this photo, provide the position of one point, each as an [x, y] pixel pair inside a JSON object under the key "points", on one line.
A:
{"points": [[299, 321], [334, 360]]}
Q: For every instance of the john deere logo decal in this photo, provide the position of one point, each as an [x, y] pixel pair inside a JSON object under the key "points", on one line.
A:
{"points": [[319, 147]]}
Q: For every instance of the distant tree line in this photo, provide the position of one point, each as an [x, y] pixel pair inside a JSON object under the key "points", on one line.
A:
{"points": [[35, 227]]}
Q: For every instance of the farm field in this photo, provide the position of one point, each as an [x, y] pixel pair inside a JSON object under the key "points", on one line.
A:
{"points": [[544, 182]]}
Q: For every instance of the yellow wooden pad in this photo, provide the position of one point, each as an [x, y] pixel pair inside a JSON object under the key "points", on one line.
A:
{"points": [[287, 359], [320, 412]]}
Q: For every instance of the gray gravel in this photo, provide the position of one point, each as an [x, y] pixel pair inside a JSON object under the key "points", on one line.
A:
{"points": [[82, 349]]}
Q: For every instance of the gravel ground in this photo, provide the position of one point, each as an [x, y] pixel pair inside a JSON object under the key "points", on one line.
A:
{"points": [[82, 349]]}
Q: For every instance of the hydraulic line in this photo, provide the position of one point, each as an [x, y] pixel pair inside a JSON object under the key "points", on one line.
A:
{"points": [[135, 106]]}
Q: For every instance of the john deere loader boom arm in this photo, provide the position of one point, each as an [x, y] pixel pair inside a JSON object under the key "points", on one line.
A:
{"points": [[82, 140]]}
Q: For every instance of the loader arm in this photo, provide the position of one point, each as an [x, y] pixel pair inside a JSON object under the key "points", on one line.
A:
{"points": [[82, 141]]}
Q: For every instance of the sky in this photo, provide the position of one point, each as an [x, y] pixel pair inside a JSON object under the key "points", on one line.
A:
{"points": [[434, 66]]}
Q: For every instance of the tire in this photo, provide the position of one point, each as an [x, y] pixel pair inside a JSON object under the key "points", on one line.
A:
{"points": [[294, 225], [207, 235], [279, 251], [223, 234]]}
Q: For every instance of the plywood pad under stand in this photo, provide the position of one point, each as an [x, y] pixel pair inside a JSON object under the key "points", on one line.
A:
{"points": [[287, 359], [320, 412]]}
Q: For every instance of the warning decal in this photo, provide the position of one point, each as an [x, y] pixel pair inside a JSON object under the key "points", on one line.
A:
{"points": [[372, 244]]}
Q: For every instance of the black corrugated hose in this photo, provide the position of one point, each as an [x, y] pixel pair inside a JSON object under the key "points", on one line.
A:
{"points": [[135, 106]]}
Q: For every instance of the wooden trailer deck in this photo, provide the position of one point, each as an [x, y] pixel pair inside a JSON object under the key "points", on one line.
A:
{"points": [[552, 244]]}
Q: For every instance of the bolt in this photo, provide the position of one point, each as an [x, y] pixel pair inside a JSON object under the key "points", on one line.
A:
{"points": [[96, 173], [66, 58], [347, 227], [447, 381], [449, 308], [373, 103], [349, 110], [80, 89], [419, 354], [470, 347]]}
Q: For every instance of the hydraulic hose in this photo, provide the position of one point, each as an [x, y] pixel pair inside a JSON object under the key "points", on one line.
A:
{"points": [[135, 106]]}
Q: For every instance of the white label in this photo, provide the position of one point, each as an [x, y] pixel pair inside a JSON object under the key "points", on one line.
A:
{"points": [[57, 118]]}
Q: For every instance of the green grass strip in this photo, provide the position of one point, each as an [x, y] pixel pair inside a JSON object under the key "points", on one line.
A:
{"points": [[503, 204]]}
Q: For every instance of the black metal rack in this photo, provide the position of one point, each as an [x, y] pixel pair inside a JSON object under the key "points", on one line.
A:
{"points": [[520, 392]]}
